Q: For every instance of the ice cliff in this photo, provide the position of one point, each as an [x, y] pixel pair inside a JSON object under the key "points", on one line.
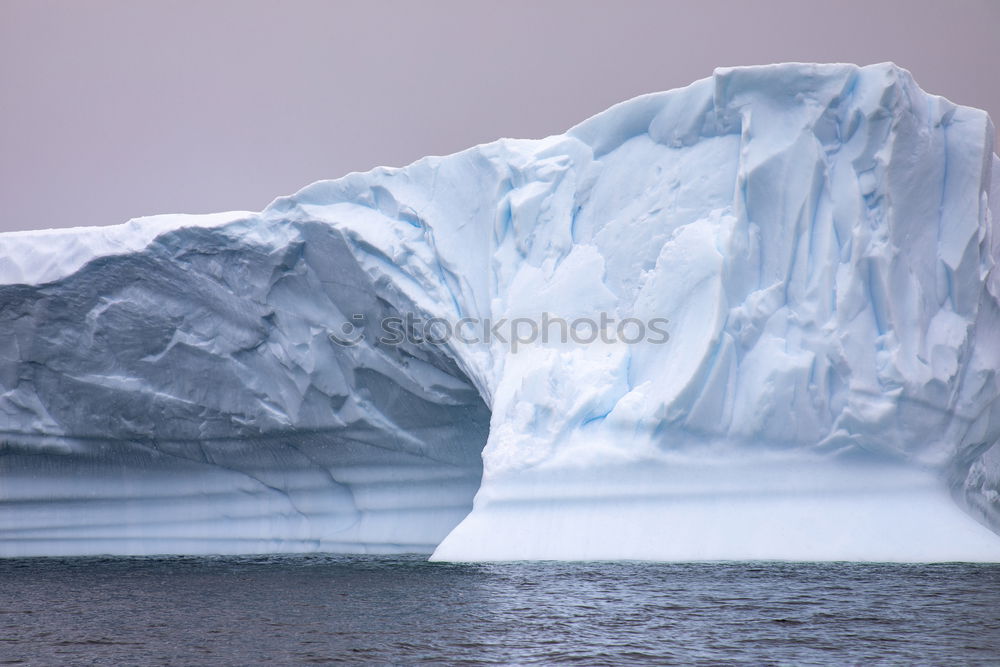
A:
{"points": [[819, 238]]}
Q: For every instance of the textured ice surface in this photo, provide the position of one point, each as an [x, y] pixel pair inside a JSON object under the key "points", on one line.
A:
{"points": [[818, 236]]}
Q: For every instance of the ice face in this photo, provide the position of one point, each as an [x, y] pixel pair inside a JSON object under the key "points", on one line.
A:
{"points": [[185, 398], [817, 238]]}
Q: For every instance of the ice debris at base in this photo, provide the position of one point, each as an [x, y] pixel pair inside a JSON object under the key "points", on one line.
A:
{"points": [[819, 238]]}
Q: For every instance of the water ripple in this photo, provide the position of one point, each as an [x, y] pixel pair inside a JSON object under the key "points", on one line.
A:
{"points": [[317, 609]]}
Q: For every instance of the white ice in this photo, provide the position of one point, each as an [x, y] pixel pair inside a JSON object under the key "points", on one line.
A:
{"points": [[818, 236]]}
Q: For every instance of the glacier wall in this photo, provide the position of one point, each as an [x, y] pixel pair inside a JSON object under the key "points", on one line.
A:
{"points": [[183, 396], [819, 238]]}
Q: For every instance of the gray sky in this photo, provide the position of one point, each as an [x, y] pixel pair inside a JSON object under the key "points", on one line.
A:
{"points": [[111, 109]]}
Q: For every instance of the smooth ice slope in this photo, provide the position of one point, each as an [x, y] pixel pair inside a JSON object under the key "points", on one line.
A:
{"points": [[818, 236]]}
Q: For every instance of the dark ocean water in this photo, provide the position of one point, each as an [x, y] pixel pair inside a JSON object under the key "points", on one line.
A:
{"points": [[293, 610]]}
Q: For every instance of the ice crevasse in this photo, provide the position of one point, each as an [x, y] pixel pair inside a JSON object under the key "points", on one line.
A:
{"points": [[818, 239]]}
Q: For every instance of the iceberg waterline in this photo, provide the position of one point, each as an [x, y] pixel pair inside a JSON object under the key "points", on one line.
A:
{"points": [[819, 238]]}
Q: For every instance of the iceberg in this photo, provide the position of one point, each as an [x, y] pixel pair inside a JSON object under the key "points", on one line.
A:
{"points": [[815, 243]]}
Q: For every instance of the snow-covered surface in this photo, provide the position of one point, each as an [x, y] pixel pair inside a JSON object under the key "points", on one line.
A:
{"points": [[35, 257], [818, 236]]}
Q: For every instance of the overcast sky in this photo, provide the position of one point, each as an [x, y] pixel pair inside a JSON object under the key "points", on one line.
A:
{"points": [[116, 109]]}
